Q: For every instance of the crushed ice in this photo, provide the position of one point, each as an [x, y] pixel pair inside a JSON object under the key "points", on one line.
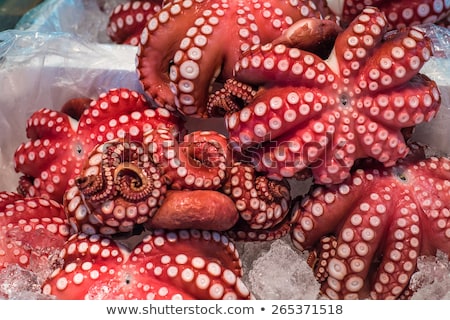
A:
{"points": [[17, 283], [277, 271], [431, 281]]}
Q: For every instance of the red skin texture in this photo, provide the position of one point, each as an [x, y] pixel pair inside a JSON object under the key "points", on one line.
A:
{"points": [[58, 145], [325, 114], [199, 209], [205, 155], [382, 220], [127, 20], [30, 229], [169, 55], [163, 266]]}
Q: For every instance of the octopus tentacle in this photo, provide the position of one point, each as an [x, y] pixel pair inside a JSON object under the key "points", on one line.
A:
{"points": [[201, 162], [267, 63], [320, 257], [231, 98], [403, 242], [261, 202], [46, 129], [127, 20], [242, 231], [133, 183], [187, 46], [383, 220], [357, 245], [394, 62]]}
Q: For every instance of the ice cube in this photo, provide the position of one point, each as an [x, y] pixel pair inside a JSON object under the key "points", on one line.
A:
{"points": [[431, 281], [280, 272], [17, 283]]}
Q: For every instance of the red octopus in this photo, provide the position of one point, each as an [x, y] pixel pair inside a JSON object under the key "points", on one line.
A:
{"points": [[325, 114], [399, 14], [116, 164], [31, 230], [124, 184], [159, 182], [189, 45], [366, 234], [59, 144], [184, 264]]}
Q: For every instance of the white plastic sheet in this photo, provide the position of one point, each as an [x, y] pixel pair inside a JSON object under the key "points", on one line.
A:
{"points": [[45, 70]]}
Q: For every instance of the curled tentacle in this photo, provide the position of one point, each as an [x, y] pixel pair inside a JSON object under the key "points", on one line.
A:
{"points": [[202, 160], [120, 187], [261, 202], [231, 98], [320, 257]]}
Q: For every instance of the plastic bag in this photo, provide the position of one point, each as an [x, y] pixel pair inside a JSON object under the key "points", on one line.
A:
{"points": [[86, 19], [45, 70]]}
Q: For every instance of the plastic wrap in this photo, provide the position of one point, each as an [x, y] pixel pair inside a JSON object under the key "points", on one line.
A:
{"points": [[45, 70], [86, 19]]}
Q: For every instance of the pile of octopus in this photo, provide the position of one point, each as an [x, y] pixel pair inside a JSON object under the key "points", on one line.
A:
{"points": [[125, 203]]}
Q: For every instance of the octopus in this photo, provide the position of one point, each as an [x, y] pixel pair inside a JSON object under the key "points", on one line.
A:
{"points": [[164, 265], [303, 112], [60, 141], [32, 231], [366, 233], [162, 183], [124, 184], [189, 46], [399, 14]]}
